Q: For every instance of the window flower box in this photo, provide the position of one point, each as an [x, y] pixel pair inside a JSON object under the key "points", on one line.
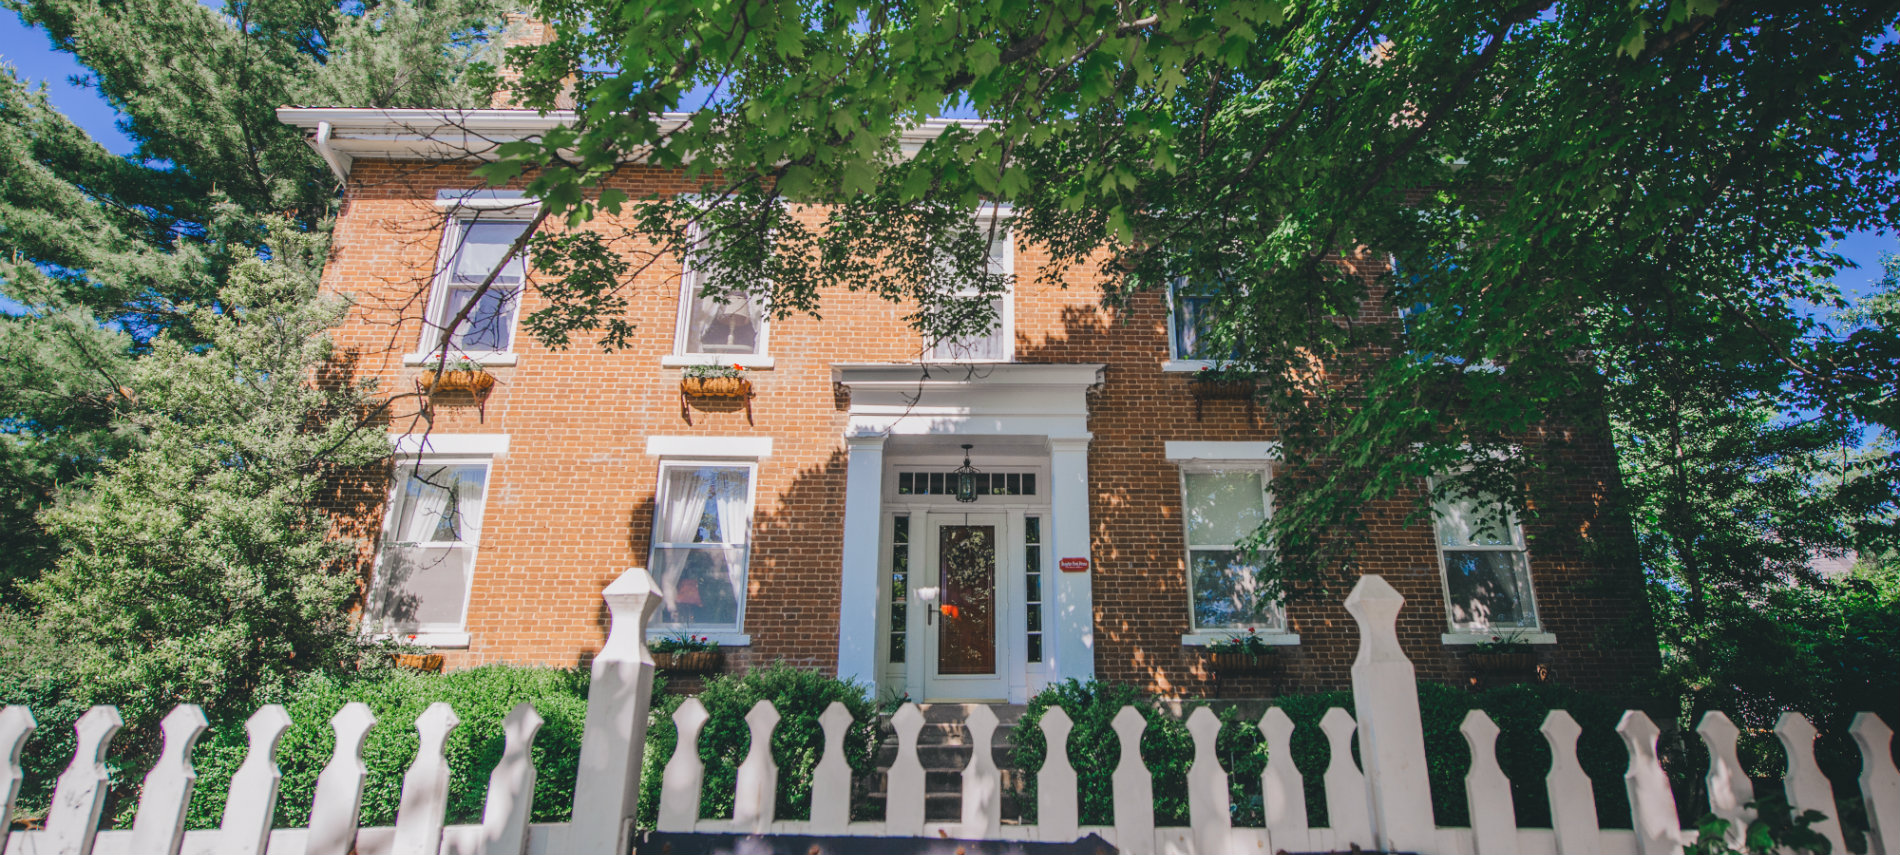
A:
{"points": [[425, 662], [695, 662], [1245, 663], [1504, 654], [1221, 384], [464, 377], [715, 383], [686, 654], [1243, 654]]}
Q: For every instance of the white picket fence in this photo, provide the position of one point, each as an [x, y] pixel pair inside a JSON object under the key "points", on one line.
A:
{"points": [[1385, 805]]}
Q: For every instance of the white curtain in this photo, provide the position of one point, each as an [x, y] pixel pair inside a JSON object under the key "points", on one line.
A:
{"points": [[468, 508], [730, 506], [483, 246], [687, 491], [428, 501]]}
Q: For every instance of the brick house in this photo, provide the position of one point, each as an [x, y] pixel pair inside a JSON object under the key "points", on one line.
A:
{"points": [[819, 522]]}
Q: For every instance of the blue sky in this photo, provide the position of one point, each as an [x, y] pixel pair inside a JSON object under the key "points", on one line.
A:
{"points": [[34, 59]]}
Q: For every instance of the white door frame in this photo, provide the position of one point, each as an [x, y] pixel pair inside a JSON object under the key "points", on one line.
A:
{"points": [[1007, 684]]}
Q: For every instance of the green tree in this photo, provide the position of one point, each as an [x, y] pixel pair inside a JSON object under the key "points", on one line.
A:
{"points": [[1563, 185]]}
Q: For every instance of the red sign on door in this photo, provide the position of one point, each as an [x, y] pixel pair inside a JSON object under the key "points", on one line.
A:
{"points": [[1073, 565]]}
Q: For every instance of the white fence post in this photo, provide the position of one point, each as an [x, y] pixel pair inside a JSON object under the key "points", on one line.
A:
{"points": [[1487, 790], [80, 794], [1729, 787], [1391, 733], [339, 797], [510, 802], [1134, 792], [1652, 804], [685, 773], [1282, 790], [425, 787], [755, 792], [252, 803], [16, 724], [1209, 809], [1056, 795], [1573, 804], [831, 781], [1346, 810], [613, 737], [904, 781], [159, 826], [1806, 787], [1879, 783], [982, 783]]}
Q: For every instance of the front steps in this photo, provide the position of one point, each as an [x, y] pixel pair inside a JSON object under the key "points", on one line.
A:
{"points": [[944, 749]]}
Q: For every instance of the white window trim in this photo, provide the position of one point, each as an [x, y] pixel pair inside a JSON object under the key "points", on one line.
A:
{"points": [[746, 447], [437, 309], [487, 201], [724, 636], [1186, 465], [682, 320], [1532, 634], [439, 636], [1176, 363], [458, 444], [1007, 317]]}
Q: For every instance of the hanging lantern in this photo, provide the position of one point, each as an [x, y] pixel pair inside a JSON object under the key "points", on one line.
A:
{"points": [[966, 478]]}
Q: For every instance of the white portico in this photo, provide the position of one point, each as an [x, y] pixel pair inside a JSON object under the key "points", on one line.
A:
{"points": [[964, 600]]}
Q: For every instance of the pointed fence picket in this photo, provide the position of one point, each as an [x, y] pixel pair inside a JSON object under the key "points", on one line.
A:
{"points": [[1389, 801]]}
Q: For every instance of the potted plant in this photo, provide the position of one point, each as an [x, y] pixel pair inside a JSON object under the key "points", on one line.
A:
{"points": [[715, 381], [462, 375], [1507, 653], [686, 654], [1243, 654], [1224, 381]]}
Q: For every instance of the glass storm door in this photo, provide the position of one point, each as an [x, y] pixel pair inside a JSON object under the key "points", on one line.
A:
{"points": [[964, 627]]}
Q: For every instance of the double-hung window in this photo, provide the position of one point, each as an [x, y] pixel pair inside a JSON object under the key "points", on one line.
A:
{"points": [[1222, 504], [714, 326], [430, 536], [1190, 318], [998, 344], [702, 527], [1486, 566], [473, 246]]}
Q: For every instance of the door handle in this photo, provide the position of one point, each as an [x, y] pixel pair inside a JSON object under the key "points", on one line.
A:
{"points": [[928, 596]]}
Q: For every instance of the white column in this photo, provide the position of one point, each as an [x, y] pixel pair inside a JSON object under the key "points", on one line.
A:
{"points": [[1074, 617], [858, 582]]}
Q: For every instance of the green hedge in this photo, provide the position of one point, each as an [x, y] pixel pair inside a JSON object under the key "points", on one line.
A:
{"points": [[1166, 747], [481, 697], [800, 696]]}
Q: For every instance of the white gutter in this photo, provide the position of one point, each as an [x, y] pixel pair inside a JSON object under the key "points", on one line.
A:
{"points": [[339, 162]]}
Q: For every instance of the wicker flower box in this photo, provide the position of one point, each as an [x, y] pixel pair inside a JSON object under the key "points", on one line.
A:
{"points": [[477, 383], [688, 662], [1245, 663], [430, 662], [1504, 663], [715, 387]]}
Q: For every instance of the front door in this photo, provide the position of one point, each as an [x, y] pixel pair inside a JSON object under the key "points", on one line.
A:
{"points": [[965, 561]]}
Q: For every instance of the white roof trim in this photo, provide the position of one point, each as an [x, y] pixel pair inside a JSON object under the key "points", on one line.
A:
{"points": [[449, 443], [709, 446], [345, 134], [1248, 451]]}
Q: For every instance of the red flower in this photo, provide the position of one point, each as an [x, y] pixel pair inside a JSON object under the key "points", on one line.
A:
{"points": [[737, 367], [1250, 630]]}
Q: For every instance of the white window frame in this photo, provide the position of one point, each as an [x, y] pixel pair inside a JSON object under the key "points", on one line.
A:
{"points": [[1281, 633], [726, 636], [1006, 318], [438, 635], [462, 214], [681, 357], [1176, 362], [1455, 634]]}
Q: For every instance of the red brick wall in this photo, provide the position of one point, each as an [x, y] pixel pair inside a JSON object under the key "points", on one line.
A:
{"points": [[571, 503]]}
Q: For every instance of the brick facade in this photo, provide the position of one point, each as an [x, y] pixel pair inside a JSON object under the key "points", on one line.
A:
{"points": [[571, 504]]}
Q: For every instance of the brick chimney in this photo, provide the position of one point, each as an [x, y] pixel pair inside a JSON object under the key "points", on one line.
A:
{"points": [[522, 29]]}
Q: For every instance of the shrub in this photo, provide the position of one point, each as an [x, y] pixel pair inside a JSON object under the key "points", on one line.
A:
{"points": [[1518, 711], [481, 697], [800, 696]]}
